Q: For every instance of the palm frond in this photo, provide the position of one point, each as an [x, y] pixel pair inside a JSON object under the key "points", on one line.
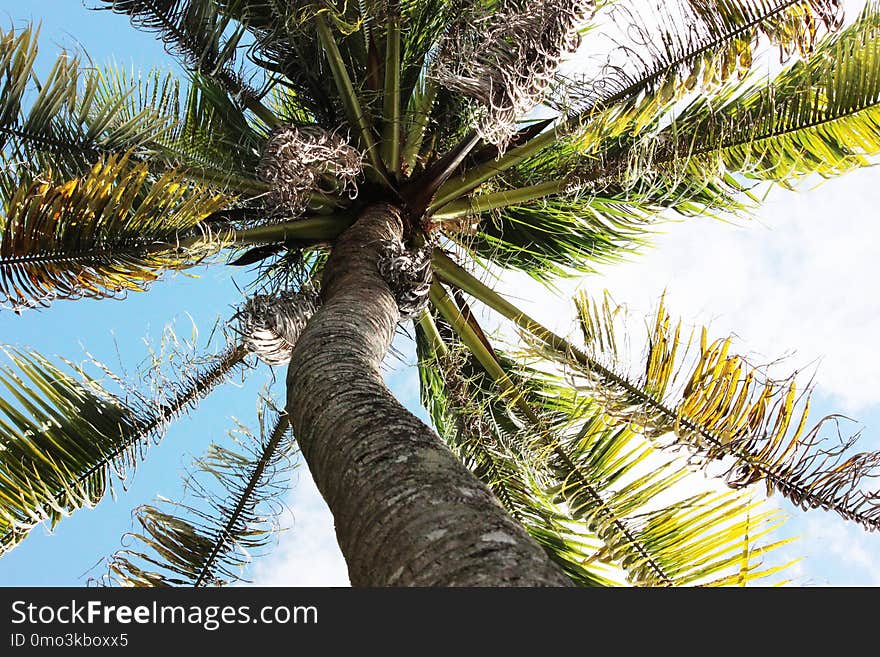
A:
{"points": [[818, 116], [202, 37], [597, 496], [554, 216], [60, 428], [208, 543], [479, 427], [642, 504], [554, 238], [62, 125], [63, 122], [693, 47], [670, 49], [286, 47], [569, 228], [201, 129], [726, 410], [111, 231], [64, 436]]}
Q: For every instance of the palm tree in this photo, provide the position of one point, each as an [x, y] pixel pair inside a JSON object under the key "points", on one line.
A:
{"points": [[366, 158]]}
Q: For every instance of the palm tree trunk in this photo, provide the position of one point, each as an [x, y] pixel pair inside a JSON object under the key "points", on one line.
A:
{"points": [[407, 512]]}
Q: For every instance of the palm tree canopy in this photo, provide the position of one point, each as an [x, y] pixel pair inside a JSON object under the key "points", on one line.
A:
{"points": [[466, 116]]}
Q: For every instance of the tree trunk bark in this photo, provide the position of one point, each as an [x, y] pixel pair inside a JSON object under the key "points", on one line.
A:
{"points": [[407, 511]]}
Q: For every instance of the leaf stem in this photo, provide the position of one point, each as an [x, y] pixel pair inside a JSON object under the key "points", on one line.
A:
{"points": [[391, 97], [477, 204], [350, 101], [282, 426]]}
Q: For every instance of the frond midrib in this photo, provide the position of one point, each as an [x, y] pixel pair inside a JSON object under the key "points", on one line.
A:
{"points": [[224, 534], [146, 426], [729, 36]]}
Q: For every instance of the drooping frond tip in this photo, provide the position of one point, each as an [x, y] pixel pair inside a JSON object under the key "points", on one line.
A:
{"points": [[300, 161], [604, 503], [724, 409], [505, 59], [664, 50], [198, 33], [112, 230], [208, 541]]}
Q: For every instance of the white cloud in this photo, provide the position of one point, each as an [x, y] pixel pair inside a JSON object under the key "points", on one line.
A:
{"points": [[853, 549], [307, 553]]}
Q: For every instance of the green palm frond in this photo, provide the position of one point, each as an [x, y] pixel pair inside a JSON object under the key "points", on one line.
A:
{"points": [[660, 536], [556, 236], [726, 410], [479, 427], [285, 45], [671, 49], [202, 129], [548, 222], [723, 407], [111, 231], [594, 490], [198, 33], [688, 44], [818, 116], [597, 496], [61, 428], [64, 436], [207, 544], [63, 122], [53, 103]]}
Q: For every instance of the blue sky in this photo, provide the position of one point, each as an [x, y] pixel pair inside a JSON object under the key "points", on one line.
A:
{"points": [[799, 278]]}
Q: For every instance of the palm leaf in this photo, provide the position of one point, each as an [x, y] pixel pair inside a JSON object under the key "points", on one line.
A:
{"points": [[288, 50], [724, 407], [672, 48], [596, 496], [63, 122], [818, 116], [188, 545], [726, 410], [106, 233], [685, 541], [202, 37], [478, 426], [62, 125], [696, 44], [201, 129], [64, 435], [567, 229]]}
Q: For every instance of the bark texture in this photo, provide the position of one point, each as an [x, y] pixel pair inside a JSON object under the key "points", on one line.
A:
{"points": [[407, 512]]}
